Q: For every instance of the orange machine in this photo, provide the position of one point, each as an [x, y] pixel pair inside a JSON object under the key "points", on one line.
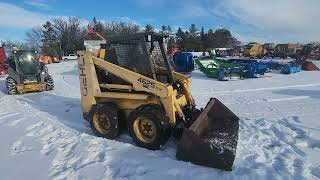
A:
{"points": [[45, 59]]}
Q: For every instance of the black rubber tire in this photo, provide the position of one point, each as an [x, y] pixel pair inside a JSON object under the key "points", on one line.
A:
{"points": [[191, 116], [50, 83], [112, 112], [158, 117], [11, 86]]}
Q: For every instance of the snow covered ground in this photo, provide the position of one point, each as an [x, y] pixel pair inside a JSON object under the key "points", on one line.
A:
{"points": [[43, 135]]}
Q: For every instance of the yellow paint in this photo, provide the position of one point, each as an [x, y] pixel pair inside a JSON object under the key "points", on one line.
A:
{"points": [[145, 129], [120, 95], [102, 53], [117, 86], [102, 122], [31, 87]]}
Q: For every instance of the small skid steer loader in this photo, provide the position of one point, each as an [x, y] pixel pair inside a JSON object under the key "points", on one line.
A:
{"points": [[135, 87], [27, 74]]}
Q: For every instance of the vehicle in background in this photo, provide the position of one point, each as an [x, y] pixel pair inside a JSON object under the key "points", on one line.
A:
{"points": [[254, 50], [27, 74], [183, 62], [3, 61], [45, 59], [70, 57]]}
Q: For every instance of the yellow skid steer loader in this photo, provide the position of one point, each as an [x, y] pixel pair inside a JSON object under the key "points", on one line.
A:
{"points": [[135, 87]]}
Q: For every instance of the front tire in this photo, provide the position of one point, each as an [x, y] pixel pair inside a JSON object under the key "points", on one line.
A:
{"points": [[50, 83], [104, 120], [149, 127], [11, 86]]}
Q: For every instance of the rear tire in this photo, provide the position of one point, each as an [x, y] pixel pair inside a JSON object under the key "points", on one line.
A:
{"points": [[149, 127], [50, 83], [11, 86], [104, 120]]}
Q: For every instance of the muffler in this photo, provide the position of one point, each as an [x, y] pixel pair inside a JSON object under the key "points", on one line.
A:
{"points": [[212, 139]]}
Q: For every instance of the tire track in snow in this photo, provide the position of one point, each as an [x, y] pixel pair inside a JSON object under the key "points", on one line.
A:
{"points": [[275, 147], [287, 99], [7, 117], [258, 89]]}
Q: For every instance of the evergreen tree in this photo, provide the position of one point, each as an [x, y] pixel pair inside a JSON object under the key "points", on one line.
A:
{"points": [[193, 40], [94, 20], [181, 36], [210, 39], [202, 34], [169, 29], [163, 29], [193, 30], [203, 39], [223, 38], [149, 28]]}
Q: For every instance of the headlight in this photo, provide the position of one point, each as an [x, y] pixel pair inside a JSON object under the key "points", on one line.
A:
{"points": [[43, 73]]}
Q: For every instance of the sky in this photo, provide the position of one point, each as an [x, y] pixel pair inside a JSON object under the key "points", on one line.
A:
{"points": [[278, 21]]}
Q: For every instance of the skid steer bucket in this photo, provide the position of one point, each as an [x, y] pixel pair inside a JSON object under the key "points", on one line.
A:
{"points": [[212, 139]]}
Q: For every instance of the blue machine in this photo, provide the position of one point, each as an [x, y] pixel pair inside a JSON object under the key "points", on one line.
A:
{"points": [[183, 62], [291, 68], [273, 64], [249, 68]]}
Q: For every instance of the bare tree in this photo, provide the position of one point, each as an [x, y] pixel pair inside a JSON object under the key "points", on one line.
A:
{"points": [[34, 38], [68, 35], [114, 28], [61, 36]]}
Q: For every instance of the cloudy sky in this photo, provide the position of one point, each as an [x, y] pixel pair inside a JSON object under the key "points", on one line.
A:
{"points": [[259, 20]]}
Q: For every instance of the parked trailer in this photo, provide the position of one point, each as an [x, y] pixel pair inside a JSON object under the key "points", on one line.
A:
{"points": [[250, 68], [214, 68], [308, 66], [291, 68], [243, 68], [272, 64]]}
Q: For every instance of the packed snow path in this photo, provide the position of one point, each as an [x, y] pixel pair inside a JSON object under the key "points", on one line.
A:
{"points": [[43, 135]]}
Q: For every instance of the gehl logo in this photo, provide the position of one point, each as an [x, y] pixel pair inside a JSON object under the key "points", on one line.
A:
{"points": [[83, 78]]}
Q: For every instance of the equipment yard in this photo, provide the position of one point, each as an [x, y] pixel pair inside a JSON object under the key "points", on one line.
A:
{"points": [[45, 136]]}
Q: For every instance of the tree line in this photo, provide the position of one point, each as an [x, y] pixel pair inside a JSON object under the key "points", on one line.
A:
{"points": [[195, 40], [61, 36]]}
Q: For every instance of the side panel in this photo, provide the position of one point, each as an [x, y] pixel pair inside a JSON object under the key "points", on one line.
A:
{"points": [[13, 74], [127, 105], [89, 84]]}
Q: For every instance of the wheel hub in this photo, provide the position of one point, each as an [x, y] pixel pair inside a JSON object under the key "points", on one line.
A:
{"points": [[102, 122], [145, 129]]}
